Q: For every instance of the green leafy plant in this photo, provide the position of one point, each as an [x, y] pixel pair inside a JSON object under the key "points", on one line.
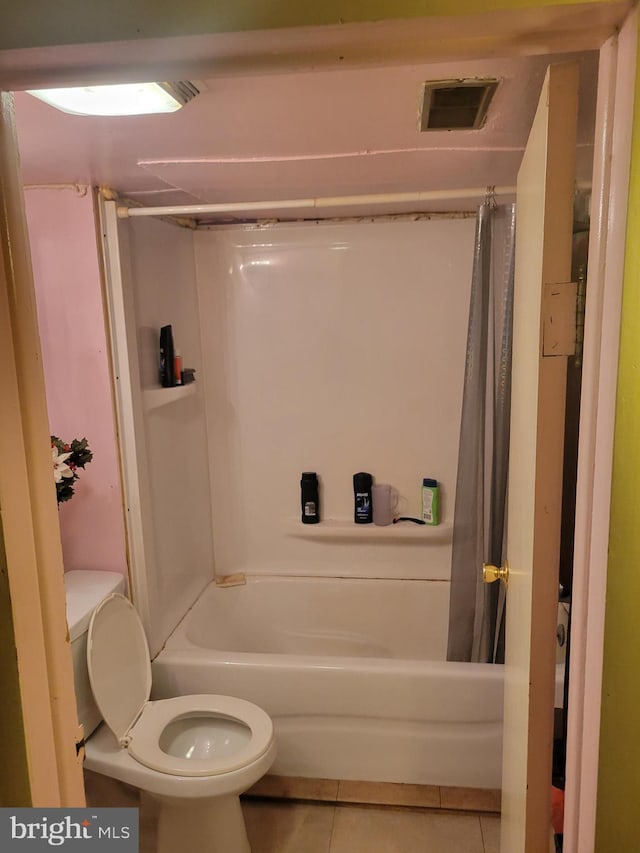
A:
{"points": [[67, 458]]}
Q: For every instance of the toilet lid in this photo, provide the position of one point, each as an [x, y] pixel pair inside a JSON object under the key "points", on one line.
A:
{"points": [[118, 663]]}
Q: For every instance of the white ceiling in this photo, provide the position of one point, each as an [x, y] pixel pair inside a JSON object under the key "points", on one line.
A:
{"points": [[300, 135]]}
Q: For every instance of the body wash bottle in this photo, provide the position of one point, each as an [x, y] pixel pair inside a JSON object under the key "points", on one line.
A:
{"points": [[167, 374], [309, 498], [363, 506], [430, 501]]}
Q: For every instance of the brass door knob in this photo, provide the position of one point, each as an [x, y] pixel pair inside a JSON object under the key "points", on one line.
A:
{"points": [[494, 573]]}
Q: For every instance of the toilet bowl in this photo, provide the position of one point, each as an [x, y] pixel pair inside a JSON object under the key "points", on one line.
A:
{"points": [[193, 754]]}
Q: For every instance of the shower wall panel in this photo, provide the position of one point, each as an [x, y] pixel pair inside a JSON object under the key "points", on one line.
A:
{"points": [[171, 548], [336, 348]]}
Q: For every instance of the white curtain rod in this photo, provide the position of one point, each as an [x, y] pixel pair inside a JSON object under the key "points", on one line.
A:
{"points": [[329, 201]]}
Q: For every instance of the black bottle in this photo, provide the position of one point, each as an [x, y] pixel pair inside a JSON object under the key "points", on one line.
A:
{"points": [[309, 498], [363, 508], [167, 371]]}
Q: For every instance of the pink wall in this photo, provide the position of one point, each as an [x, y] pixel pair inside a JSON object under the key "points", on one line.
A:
{"points": [[75, 356]]}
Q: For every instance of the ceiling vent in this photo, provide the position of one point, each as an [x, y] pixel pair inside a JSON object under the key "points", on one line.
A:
{"points": [[456, 104], [183, 91]]}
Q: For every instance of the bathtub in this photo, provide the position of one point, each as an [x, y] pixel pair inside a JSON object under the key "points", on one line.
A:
{"points": [[351, 671]]}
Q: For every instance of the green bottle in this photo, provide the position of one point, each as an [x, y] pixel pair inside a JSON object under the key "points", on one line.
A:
{"points": [[430, 501]]}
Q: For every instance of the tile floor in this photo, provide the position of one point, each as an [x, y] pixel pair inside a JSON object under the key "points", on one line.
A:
{"points": [[288, 826]]}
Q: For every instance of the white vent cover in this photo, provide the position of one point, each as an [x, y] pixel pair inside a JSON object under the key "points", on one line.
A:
{"points": [[456, 104]]}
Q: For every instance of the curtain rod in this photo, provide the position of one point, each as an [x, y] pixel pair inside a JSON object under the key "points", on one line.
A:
{"points": [[316, 203]]}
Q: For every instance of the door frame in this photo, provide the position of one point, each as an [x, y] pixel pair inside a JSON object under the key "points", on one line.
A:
{"points": [[463, 39], [31, 530], [614, 126]]}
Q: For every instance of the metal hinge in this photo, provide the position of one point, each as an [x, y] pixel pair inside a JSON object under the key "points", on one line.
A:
{"points": [[581, 304], [559, 312]]}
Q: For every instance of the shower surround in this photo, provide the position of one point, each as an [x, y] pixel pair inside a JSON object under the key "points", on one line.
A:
{"points": [[335, 347], [332, 347]]}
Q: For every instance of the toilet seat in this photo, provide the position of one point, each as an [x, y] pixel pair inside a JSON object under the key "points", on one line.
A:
{"points": [[146, 734], [119, 667]]}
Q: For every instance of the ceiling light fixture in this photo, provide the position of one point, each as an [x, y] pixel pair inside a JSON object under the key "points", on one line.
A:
{"points": [[122, 99]]}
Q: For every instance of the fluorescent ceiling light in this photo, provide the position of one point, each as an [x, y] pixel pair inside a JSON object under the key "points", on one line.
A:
{"points": [[124, 99]]}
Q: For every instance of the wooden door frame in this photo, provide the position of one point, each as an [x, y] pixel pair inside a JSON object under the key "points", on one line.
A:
{"points": [[31, 529], [492, 33]]}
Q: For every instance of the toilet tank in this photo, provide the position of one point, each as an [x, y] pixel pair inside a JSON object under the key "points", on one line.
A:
{"points": [[84, 591]]}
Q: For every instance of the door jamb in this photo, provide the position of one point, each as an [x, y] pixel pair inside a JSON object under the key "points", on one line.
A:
{"points": [[607, 240]]}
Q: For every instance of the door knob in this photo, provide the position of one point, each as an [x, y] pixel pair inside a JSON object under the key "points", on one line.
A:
{"points": [[494, 573]]}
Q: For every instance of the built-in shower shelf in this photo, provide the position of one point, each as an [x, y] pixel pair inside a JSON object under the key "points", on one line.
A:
{"points": [[153, 398], [338, 529]]}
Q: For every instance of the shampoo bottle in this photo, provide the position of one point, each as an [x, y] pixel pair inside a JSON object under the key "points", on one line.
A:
{"points": [[363, 505], [177, 367], [430, 501], [309, 498], [167, 374]]}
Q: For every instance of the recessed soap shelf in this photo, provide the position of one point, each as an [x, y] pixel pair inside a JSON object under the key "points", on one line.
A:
{"points": [[154, 398], [337, 529]]}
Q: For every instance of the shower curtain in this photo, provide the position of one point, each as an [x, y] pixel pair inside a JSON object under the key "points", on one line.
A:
{"points": [[475, 608]]}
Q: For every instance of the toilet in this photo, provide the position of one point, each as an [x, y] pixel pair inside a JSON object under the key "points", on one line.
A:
{"points": [[193, 754]]}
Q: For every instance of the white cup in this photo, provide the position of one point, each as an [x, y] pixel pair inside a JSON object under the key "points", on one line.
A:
{"points": [[385, 501]]}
